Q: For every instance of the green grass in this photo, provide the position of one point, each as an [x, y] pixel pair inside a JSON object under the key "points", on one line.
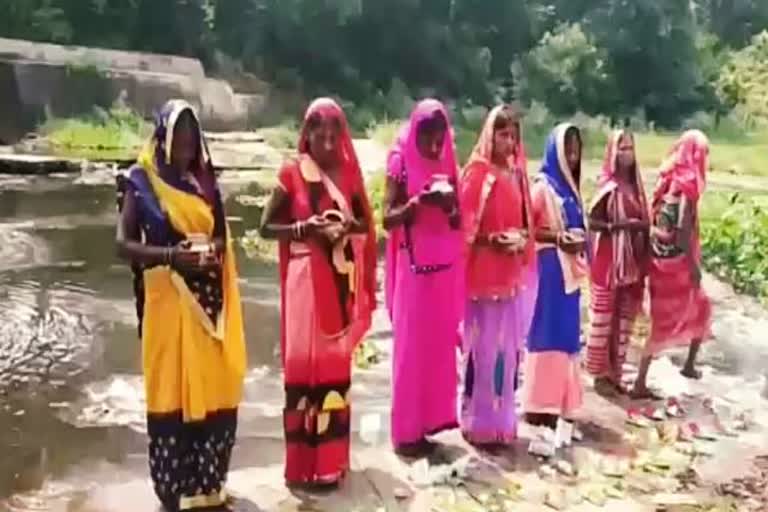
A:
{"points": [[384, 132], [744, 154], [282, 136], [116, 133]]}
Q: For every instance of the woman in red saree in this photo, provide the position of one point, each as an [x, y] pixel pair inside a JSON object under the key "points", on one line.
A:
{"points": [[501, 278], [619, 225], [320, 214], [680, 310]]}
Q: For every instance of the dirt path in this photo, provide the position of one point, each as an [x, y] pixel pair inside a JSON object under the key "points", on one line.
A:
{"points": [[626, 468]]}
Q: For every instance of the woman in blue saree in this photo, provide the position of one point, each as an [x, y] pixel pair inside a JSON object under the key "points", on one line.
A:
{"points": [[552, 388]]}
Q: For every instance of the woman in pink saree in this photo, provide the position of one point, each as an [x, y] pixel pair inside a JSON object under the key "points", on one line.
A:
{"points": [[425, 277], [681, 312], [502, 278]]}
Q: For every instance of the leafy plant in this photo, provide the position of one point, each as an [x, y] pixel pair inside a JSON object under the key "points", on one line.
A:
{"points": [[735, 244]]}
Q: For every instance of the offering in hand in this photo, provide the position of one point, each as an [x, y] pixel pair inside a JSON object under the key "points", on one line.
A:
{"points": [[335, 227], [199, 243], [333, 216], [441, 185]]}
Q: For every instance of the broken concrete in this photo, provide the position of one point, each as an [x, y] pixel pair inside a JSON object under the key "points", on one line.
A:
{"points": [[40, 80]]}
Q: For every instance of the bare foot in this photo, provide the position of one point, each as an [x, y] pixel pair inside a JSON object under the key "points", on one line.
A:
{"points": [[644, 393], [605, 387], [690, 372]]}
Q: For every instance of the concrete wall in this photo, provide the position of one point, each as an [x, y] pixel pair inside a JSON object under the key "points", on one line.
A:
{"points": [[15, 49], [38, 80]]}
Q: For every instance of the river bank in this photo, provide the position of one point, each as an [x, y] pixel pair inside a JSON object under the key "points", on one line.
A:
{"points": [[72, 412]]}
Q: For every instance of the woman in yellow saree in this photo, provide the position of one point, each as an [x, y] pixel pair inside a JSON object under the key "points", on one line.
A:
{"points": [[173, 230]]}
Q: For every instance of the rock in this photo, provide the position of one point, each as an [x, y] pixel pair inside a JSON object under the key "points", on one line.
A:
{"points": [[37, 165]]}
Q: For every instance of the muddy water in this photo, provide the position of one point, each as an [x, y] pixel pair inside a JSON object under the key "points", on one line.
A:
{"points": [[68, 330]]}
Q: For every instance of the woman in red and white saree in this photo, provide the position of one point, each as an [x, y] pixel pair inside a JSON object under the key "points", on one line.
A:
{"points": [[619, 226], [681, 312], [320, 214]]}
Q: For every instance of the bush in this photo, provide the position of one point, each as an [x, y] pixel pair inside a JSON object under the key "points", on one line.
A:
{"points": [[743, 81], [734, 245]]}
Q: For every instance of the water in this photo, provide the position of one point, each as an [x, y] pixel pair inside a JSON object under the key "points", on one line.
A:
{"points": [[70, 387]]}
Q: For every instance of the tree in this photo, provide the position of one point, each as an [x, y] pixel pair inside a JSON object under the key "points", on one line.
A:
{"points": [[652, 56], [566, 72], [39, 20], [743, 82], [734, 22]]}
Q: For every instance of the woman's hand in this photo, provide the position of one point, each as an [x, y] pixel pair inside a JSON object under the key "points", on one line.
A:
{"points": [[334, 231], [183, 258], [446, 201], [662, 235], [570, 245], [449, 203], [635, 225], [409, 208], [315, 224], [502, 243], [431, 197]]}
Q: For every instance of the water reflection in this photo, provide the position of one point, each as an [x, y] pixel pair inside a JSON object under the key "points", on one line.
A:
{"points": [[70, 390]]}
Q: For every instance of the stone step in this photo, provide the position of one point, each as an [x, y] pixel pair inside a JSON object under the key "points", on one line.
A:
{"points": [[38, 165]]}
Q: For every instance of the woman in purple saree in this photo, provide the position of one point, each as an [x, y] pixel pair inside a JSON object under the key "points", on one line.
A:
{"points": [[425, 277]]}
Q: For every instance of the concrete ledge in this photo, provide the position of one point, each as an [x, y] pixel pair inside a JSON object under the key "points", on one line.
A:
{"points": [[37, 165]]}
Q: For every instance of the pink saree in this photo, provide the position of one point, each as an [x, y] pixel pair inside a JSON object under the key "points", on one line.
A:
{"points": [[424, 286]]}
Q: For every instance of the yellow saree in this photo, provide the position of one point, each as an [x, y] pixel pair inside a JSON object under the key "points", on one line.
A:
{"points": [[194, 357], [189, 363]]}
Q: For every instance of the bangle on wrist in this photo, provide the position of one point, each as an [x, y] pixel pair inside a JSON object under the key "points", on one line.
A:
{"points": [[299, 230]]}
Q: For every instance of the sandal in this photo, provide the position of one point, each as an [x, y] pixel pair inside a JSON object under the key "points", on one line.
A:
{"points": [[654, 413], [674, 409], [635, 418]]}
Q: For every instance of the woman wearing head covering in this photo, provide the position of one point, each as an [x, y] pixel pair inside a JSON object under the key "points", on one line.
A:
{"points": [[320, 214], [552, 387], [680, 310], [173, 230], [619, 225], [425, 277], [501, 278]]}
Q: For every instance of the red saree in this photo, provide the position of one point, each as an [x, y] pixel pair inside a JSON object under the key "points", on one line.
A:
{"points": [[325, 311], [618, 269], [680, 309]]}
